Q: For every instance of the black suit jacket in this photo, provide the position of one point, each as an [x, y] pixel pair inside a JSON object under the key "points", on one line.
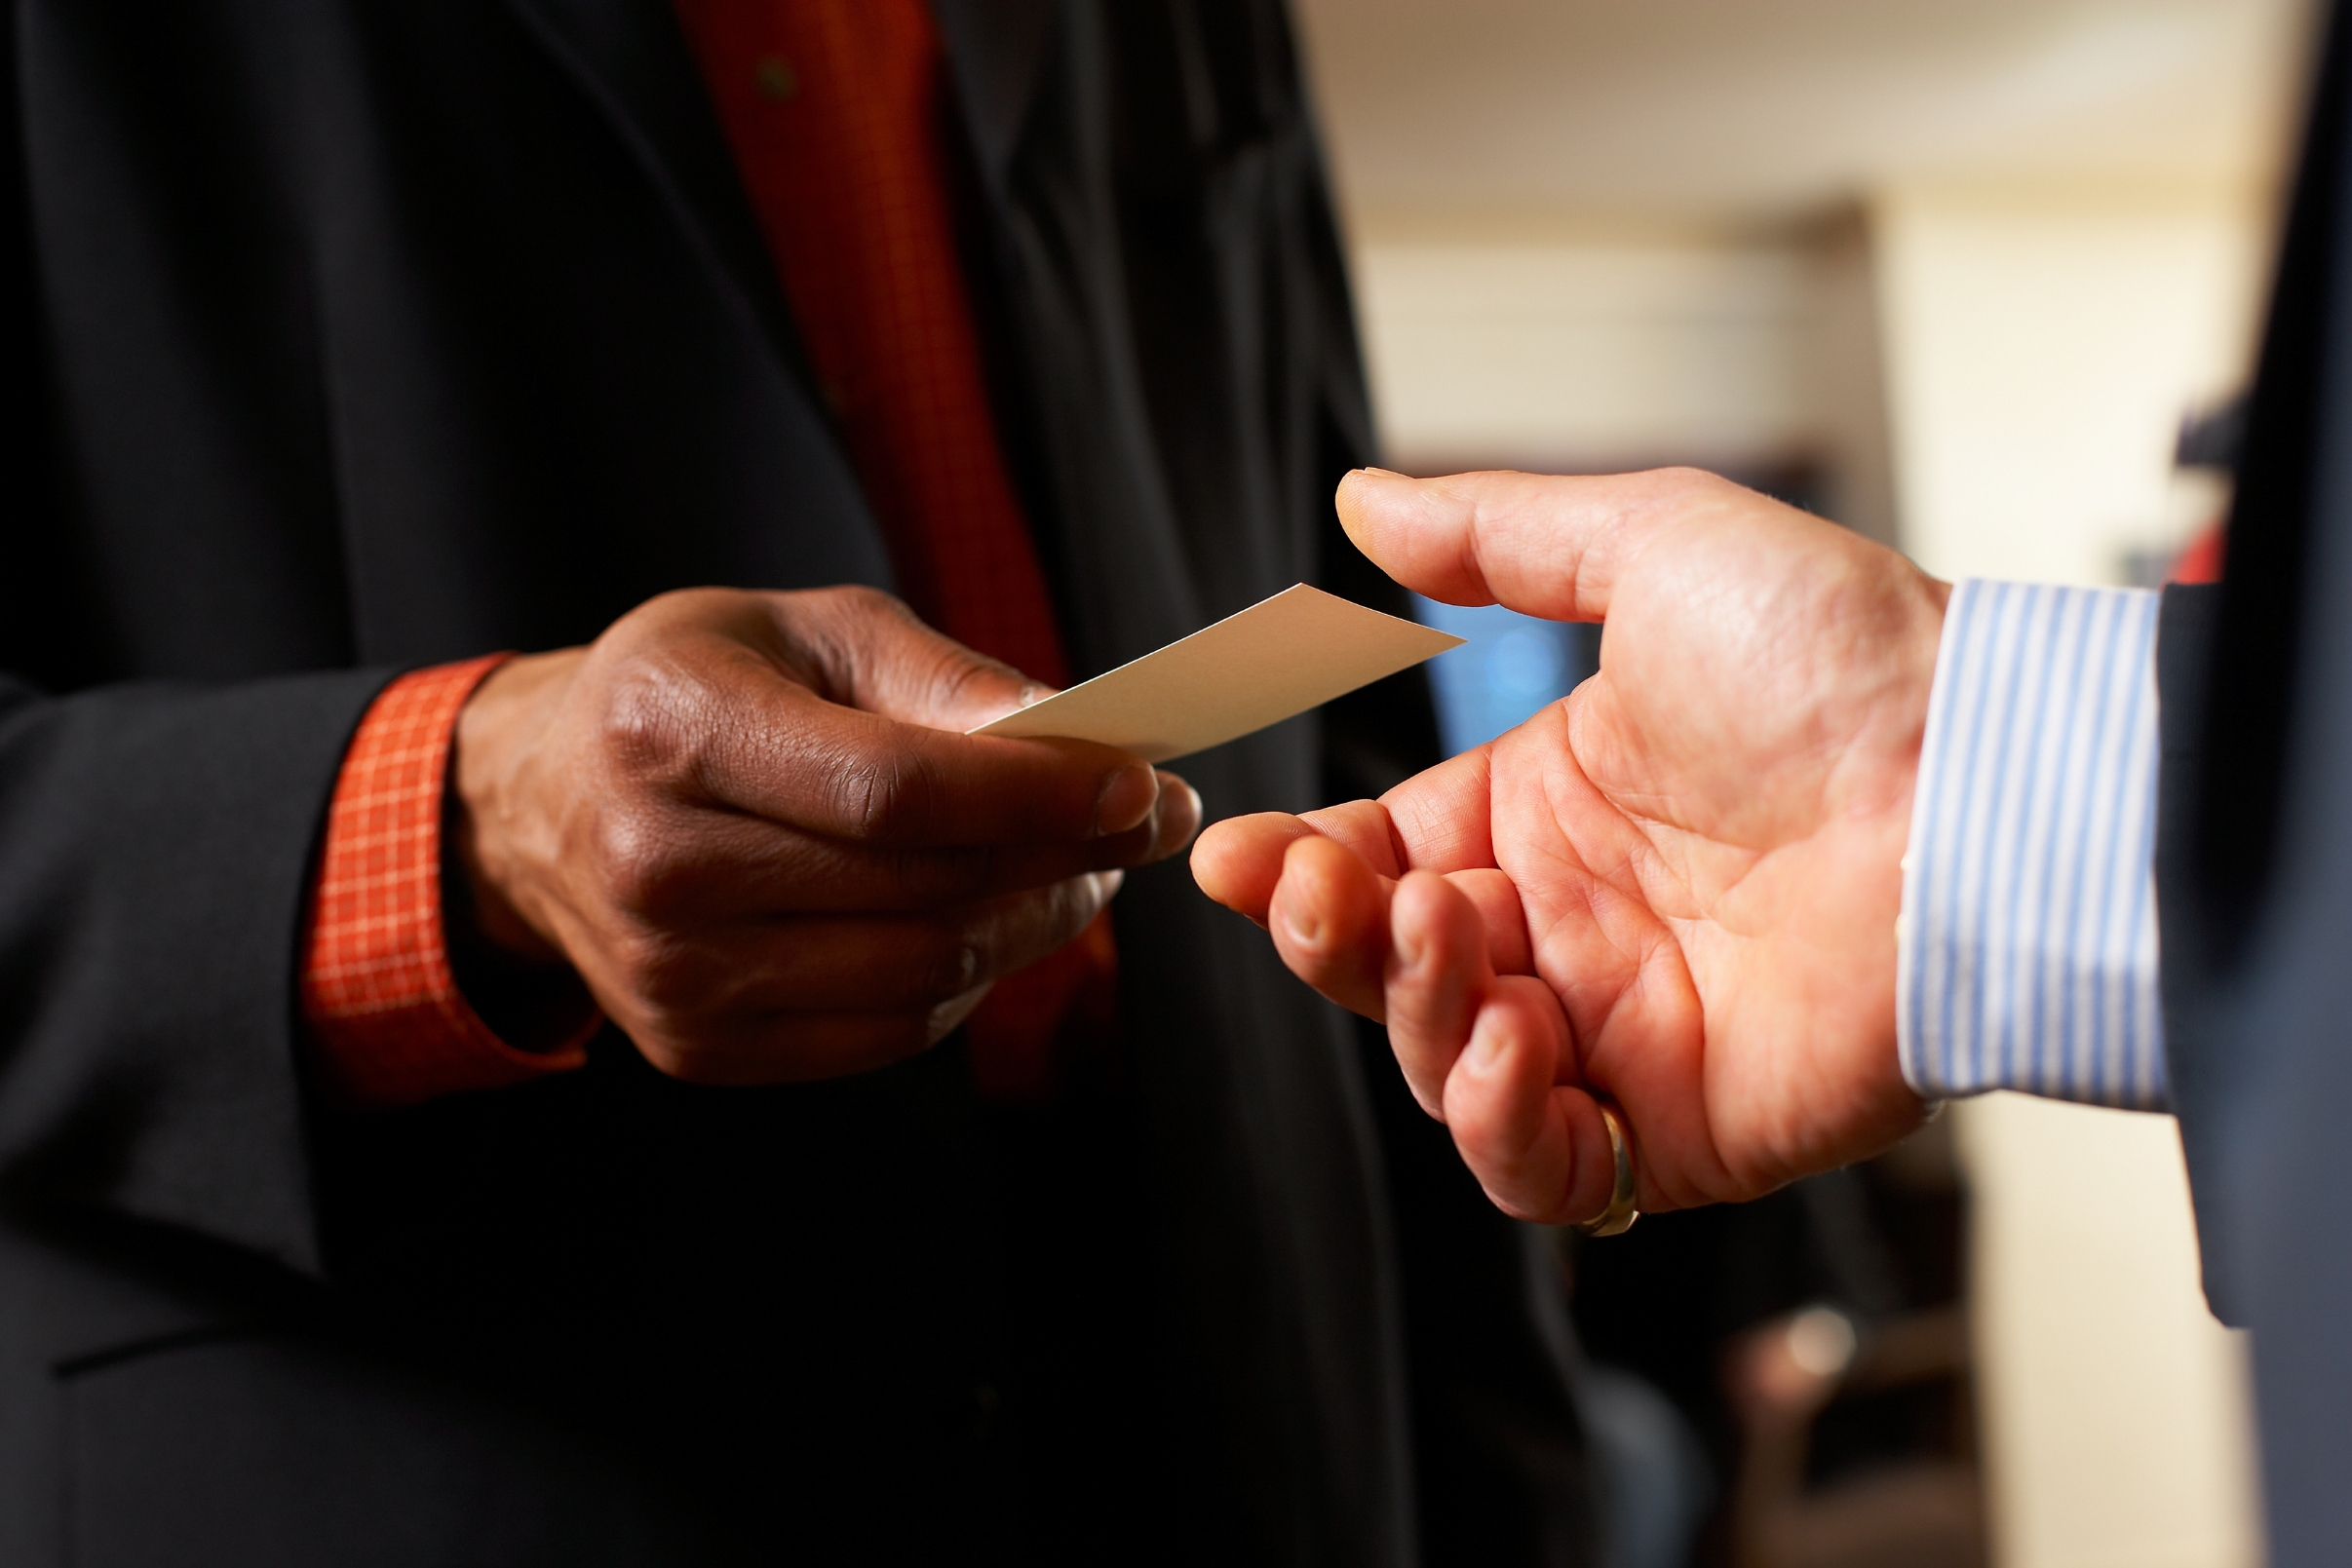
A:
{"points": [[2255, 865], [345, 336]]}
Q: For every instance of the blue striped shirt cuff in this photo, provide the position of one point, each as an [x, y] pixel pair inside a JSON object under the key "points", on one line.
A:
{"points": [[2026, 952]]}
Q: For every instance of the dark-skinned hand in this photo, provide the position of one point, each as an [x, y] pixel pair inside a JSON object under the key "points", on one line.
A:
{"points": [[753, 825]]}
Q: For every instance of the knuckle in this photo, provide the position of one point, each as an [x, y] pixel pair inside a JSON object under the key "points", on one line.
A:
{"points": [[872, 796], [664, 976], [1076, 901], [925, 1030], [1684, 486], [683, 604], [854, 604], [672, 1058], [675, 1041], [1552, 1211], [874, 601], [943, 1019], [652, 725], [947, 965], [701, 1063], [637, 863], [887, 799], [956, 670]]}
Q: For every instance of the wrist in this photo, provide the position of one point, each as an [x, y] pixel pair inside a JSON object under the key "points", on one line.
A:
{"points": [[492, 822], [530, 1003]]}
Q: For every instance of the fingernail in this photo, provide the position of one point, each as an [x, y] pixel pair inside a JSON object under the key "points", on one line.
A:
{"points": [[1304, 930], [1108, 884], [1485, 1049], [1384, 473], [1127, 798], [1408, 949]]}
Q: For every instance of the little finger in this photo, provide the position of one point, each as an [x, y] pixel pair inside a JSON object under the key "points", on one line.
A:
{"points": [[1541, 1151]]}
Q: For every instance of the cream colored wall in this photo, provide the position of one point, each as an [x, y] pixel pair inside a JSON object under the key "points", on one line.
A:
{"points": [[2043, 342], [1568, 350], [1556, 348], [2116, 1431]]}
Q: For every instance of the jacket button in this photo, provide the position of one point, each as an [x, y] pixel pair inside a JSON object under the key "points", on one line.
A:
{"points": [[775, 79]]}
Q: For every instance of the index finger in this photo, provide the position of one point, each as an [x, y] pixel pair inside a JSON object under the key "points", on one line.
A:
{"points": [[737, 734]]}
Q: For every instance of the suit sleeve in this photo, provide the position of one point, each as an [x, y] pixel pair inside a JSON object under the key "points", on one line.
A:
{"points": [[2206, 1081], [156, 851], [2185, 644]]}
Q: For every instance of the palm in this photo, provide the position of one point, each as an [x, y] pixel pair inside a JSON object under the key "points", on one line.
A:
{"points": [[1704, 840]]}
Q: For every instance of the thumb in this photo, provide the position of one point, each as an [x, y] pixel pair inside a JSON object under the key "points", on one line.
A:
{"points": [[1543, 545]]}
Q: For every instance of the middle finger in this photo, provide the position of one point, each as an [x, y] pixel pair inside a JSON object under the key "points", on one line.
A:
{"points": [[718, 865], [865, 963], [1438, 974]]}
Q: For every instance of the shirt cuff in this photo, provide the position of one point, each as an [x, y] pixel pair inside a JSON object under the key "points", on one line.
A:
{"points": [[2027, 947], [389, 1026]]}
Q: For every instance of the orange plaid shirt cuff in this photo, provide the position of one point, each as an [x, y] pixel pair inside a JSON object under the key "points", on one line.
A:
{"points": [[389, 1025]]}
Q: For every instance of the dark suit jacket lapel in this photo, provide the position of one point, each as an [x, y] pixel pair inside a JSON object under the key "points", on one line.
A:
{"points": [[995, 52], [630, 59]]}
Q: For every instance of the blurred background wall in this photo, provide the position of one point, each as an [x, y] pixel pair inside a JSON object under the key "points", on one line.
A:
{"points": [[1953, 273]]}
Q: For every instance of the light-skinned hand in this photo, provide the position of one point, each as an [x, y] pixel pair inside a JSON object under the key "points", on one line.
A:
{"points": [[1677, 887], [753, 827]]}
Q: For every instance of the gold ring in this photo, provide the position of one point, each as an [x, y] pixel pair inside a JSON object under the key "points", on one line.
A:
{"points": [[1619, 1216]]}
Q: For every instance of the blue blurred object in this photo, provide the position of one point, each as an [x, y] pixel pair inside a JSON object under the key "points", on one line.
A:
{"points": [[1510, 667], [1656, 1486]]}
